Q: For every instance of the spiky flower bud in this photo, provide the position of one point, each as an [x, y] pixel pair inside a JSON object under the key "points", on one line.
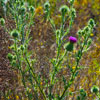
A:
{"points": [[73, 13], [95, 89], [31, 9], [10, 56], [91, 23], [79, 32], [69, 46], [78, 98], [83, 93], [23, 9], [13, 63], [71, 1], [2, 21], [57, 32], [15, 33], [64, 9], [46, 5], [22, 47]]}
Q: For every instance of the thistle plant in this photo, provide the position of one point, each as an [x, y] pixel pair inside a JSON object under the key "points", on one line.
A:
{"points": [[83, 42], [20, 58]]}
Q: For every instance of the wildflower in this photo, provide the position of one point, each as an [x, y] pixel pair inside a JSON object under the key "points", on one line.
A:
{"points": [[2, 21], [73, 67], [15, 33], [72, 39], [95, 89], [17, 97], [69, 46], [91, 34], [64, 9], [38, 10], [41, 83]]}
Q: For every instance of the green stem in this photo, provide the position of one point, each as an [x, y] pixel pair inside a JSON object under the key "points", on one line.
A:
{"points": [[73, 74], [19, 66], [34, 77]]}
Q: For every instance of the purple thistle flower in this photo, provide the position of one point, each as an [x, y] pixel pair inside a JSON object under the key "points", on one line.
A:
{"points": [[73, 39]]}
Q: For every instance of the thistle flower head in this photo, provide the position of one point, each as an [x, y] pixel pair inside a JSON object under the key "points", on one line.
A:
{"points": [[73, 39]]}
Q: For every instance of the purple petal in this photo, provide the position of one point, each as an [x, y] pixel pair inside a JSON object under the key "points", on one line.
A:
{"points": [[73, 39]]}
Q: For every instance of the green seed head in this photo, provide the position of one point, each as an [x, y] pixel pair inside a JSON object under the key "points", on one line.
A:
{"points": [[13, 63], [69, 46], [57, 32], [83, 32], [73, 13], [78, 98], [71, 1], [46, 5], [87, 29], [91, 23], [89, 42], [15, 33], [14, 57], [83, 93], [95, 89], [31, 9], [64, 9], [10, 56], [79, 32], [2, 21], [12, 47], [22, 47], [23, 9], [18, 2]]}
